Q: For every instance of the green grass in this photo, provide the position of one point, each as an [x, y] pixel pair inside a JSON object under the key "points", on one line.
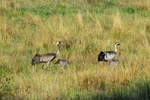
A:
{"points": [[50, 8], [85, 27]]}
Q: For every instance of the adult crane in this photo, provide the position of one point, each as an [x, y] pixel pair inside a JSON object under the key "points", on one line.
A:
{"points": [[46, 58], [109, 56]]}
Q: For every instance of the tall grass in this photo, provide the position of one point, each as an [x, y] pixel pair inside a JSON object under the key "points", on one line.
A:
{"points": [[85, 27]]}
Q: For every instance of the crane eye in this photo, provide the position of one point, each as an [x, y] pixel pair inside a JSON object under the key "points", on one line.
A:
{"points": [[117, 43]]}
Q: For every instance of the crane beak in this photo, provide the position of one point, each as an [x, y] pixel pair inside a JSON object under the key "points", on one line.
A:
{"points": [[117, 43]]}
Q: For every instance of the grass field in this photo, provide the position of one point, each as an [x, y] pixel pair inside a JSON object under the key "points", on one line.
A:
{"points": [[85, 27]]}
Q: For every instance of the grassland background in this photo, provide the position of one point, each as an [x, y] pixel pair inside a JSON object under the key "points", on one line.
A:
{"points": [[85, 27]]}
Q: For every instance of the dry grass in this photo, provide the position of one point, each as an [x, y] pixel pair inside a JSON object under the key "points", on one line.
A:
{"points": [[84, 35]]}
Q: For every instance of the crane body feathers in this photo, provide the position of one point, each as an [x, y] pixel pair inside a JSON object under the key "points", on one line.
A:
{"points": [[43, 58], [106, 55]]}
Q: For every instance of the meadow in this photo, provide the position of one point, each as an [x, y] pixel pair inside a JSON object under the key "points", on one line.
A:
{"points": [[85, 27]]}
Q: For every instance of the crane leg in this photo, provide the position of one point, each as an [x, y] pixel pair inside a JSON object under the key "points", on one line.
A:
{"points": [[62, 69]]}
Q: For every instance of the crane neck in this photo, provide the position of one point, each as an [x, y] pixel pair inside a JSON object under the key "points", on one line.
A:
{"points": [[116, 48], [58, 52]]}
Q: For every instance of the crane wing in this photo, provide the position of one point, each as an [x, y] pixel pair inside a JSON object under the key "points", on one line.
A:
{"points": [[110, 55]]}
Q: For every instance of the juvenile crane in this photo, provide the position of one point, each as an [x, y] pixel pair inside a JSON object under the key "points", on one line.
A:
{"points": [[109, 56], [45, 58], [62, 62]]}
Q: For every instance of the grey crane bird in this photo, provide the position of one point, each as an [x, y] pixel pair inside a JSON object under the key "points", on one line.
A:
{"points": [[62, 62], [108, 55], [45, 58]]}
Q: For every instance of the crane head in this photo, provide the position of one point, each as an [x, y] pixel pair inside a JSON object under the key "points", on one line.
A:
{"points": [[117, 43], [58, 43]]}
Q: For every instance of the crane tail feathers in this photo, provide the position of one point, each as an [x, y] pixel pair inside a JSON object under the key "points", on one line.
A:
{"points": [[101, 56]]}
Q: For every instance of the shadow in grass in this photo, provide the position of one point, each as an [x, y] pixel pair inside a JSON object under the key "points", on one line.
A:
{"points": [[5, 96], [140, 91]]}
